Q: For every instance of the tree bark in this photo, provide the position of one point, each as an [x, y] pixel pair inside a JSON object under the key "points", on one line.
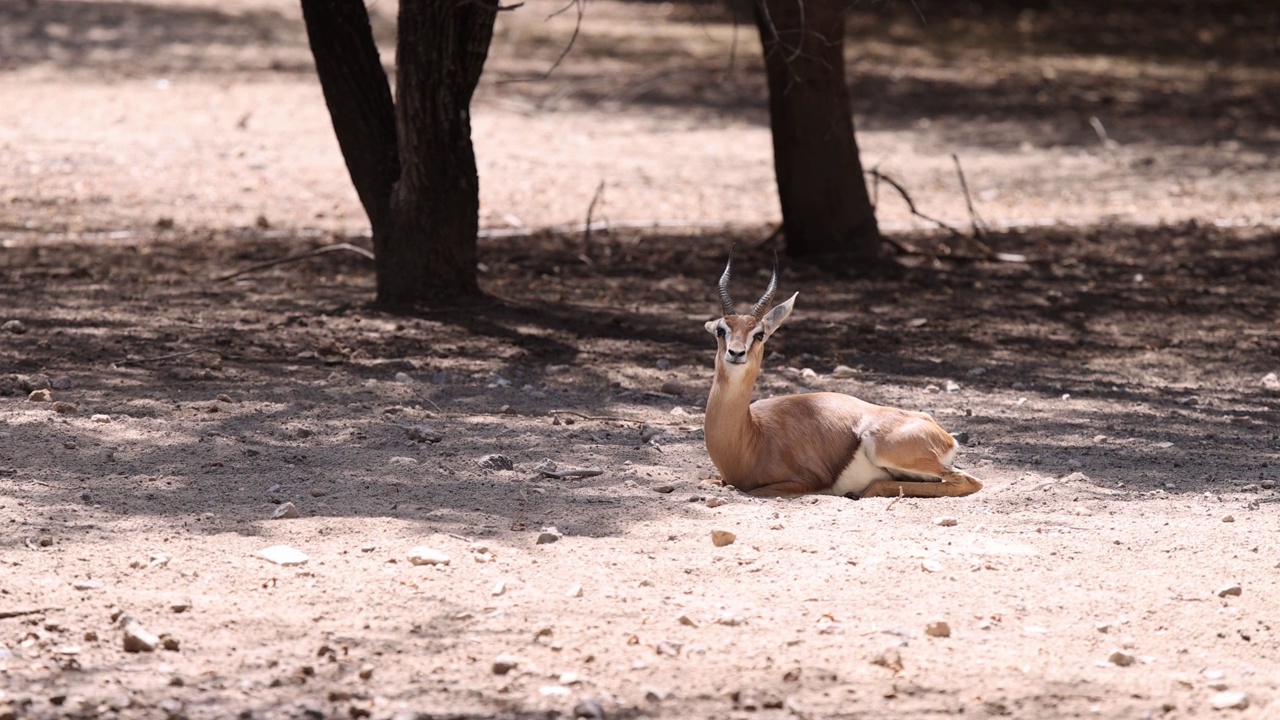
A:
{"points": [[359, 100], [440, 55], [825, 205], [411, 160]]}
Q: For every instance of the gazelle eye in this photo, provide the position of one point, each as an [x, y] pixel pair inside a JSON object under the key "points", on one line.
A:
{"points": [[760, 337], [720, 331]]}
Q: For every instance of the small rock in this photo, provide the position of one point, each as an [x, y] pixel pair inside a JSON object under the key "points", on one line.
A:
{"points": [[653, 694], [931, 388], [666, 647], [424, 434], [945, 521], [86, 584], [170, 643], [1268, 484], [284, 511], [1270, 381], [224, 398], [402, 377], [283, 555], [962, 437], [672, 387], [808, 374], [441, 377], [677, 410], [648, 433], [663, 364], [575, 591], [931, 566], [548, 535], [588, 709], [317, 492], [40, 396], [1231, 700], [714, 502], [937, 628], [504, 664], [499, 588], [65, 408], [1075, 477], [720, 538], [137, 638], [1230, 590], [401, 460], [1228, 518], [890, 658], [423, 555], [545, 465], [496, 462], [100, 418], [1121, 658], [17, 327], [366, 671], [842, 372], [952, 386], [686, 620], [664, 489], [181, 606]]}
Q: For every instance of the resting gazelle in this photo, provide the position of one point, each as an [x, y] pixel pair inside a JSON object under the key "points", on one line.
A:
{"points": [[824, 442]]}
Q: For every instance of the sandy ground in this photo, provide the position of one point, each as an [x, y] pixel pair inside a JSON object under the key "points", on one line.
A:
{"points": [[1116, 392]]}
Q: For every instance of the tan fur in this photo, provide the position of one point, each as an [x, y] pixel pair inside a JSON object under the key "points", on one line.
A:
{"points": [[799, 444]]}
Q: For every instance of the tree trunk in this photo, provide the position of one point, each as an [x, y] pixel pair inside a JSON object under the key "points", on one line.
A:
{"points": [[411, 160], [440, 54], [825, 205]]}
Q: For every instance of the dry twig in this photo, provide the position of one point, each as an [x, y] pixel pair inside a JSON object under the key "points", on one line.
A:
{"points": [[895, 500], [294, 258]]}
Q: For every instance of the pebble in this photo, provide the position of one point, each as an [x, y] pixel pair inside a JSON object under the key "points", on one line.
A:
{"points": [[937, 628], [17, 327], [575, 591], [1121, 658], [931, 566], [224, 398], [648, 433], [588, 709], [545, 465], [548, 535], [952, 386], [890, 658], [284, 511], [496, 462], [808, 374], [423, 555], [664, 489], [86, 584], [137, 638], [100, 419], [504, 664], [1270, 381], [318, 492], [945, 521], [842, 372], [366, 672], [663, 364], [667, 647], [65, 408], [283, 555], [440, 378], [401, 460], [686, 620], [677, 410], [1230, 700], [714, 502], [40, 396], [1228, 518], [402, 377], [499, 588], [672, 387], [1232, 590], [721, 538], [423, 433]]}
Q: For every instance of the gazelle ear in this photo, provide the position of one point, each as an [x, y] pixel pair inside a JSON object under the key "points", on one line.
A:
{"points": [[711, 326], [778, 315]]}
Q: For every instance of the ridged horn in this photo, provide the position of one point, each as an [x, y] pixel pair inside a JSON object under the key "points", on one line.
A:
{"points": [[726, 302], [759, 310]]}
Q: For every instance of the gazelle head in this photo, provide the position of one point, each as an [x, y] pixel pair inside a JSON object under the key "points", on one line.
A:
{"points": [[740, 339]]}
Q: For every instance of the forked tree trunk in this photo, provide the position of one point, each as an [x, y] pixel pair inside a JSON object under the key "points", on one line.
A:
{"points": [[411, 161], [825, 205]]}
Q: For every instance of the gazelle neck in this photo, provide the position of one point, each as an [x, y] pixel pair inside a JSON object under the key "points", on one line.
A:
{"points": [[730, 429]]}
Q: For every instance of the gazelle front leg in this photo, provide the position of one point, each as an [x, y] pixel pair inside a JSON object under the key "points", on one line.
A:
{"points": [[784, 488], [953, 483]]}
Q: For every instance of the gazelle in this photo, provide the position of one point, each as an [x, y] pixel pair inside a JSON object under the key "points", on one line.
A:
{"points": [[816, 442]]}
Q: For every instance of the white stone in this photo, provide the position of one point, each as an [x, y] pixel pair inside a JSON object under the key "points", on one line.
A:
{"points": [[1229, 700], [283, 555], [423, 555]]}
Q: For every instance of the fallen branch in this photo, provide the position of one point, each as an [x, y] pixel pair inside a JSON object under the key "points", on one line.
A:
{"points": [[170, 356], [572, 473], [591, 210], [603, 418], [6, 614], [302, 256]]}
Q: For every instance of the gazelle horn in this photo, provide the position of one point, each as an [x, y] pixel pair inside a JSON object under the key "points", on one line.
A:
{"points": [[758, 311], [725, 300]]}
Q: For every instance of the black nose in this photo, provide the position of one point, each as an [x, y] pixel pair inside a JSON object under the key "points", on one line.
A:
{"points": [[736, 354]]}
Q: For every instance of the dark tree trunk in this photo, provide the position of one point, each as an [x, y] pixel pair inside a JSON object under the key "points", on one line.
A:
{"points": [[411, 160], [440, 54], [825, 205]]}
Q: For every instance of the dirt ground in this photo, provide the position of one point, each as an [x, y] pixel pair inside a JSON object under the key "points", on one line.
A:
{"points": [[1117, 392]]}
